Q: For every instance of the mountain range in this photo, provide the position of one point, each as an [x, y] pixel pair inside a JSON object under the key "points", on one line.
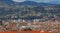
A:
{"points": [[10, 2]]}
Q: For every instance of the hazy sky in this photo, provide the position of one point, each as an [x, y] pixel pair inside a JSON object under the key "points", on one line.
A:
{"points": [[45, 1]]}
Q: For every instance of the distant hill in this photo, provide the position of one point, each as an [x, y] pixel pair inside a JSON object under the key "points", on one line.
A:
{"points": [[10, 2], [28, 3]]}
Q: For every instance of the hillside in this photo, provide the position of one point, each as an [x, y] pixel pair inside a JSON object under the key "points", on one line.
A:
{"points": [[28, 10]]}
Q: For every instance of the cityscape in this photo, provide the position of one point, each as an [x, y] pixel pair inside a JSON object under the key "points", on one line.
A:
{"points": [[30, 25], [28, 15]]}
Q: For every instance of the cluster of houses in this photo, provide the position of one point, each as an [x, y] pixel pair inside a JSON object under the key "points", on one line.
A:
{"points": [[25, 25]]}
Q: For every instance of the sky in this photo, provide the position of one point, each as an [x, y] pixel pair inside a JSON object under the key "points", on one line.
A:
{"points": [[45, 1]]}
